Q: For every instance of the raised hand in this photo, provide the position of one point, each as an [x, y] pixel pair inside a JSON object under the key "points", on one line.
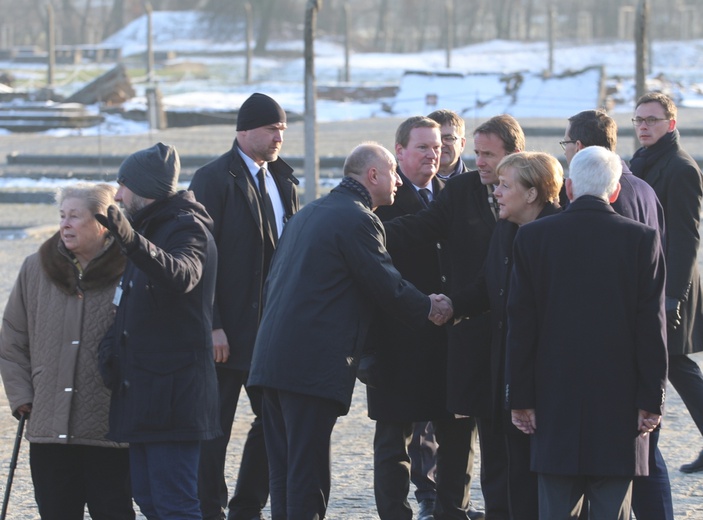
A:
{"points": [[119, 226]]}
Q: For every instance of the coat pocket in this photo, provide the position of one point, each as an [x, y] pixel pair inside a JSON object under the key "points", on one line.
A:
{"points": [[160, 387]]}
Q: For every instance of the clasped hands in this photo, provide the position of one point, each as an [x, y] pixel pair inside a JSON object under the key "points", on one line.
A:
{"points": [[442, 310]]}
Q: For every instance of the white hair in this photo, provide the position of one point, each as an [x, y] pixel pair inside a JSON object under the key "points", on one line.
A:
{"points": [[595, 171]]}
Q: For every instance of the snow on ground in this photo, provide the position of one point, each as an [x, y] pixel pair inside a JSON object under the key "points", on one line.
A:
{"points": [[474, 85]]}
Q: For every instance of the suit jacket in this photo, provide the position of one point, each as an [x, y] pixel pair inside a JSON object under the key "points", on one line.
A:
{"points": [[224, 186], [586, 347], [677, 181], [638, 201], [462, 219], [330, 273], [411, 363]]}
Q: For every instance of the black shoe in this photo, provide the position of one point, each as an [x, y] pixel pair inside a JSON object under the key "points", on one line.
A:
{"points": [[475, 514], [695, 466], [425, 510]]}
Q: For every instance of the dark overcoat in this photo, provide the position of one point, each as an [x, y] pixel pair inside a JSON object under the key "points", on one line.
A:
{"points": [[490, 292], [586, 344], [462, 219], [158, 355], [676, 179], [411, 383], [638, 201], [330, 273], [224, 186]]}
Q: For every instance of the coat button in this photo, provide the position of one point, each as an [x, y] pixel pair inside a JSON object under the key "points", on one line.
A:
{"points": [[443, 278], [255, 305], [501, 292], [506, 260], [500, 325], [439, 246]]}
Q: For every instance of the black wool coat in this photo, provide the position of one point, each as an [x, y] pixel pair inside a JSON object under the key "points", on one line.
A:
{"points": [[462, 220], [224, 186], [330, 274], [490, 292], [586, 346], [412, 363], [158, 354], [677, 181]]}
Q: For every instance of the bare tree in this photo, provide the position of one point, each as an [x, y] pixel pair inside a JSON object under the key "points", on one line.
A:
{"points": [[381, 40]]}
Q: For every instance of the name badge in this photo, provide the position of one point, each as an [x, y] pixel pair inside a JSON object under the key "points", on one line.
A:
{"points": [[118, 296]]}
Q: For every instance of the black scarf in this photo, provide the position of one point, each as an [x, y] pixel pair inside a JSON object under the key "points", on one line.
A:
{"points": [[645, 157], [356, 186]]}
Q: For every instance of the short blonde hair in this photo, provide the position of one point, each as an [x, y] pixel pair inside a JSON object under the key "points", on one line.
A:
{"points": [[536, 170]]}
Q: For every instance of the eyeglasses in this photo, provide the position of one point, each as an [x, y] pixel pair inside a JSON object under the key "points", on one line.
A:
{"points": [[637, 121], [564, 143], [450, 139]]}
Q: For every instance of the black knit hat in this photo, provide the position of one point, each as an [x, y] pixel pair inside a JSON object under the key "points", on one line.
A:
{"points": [[151, 173], [259, 110]]}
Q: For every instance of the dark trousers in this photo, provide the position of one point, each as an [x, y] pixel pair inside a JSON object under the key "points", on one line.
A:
{"points": [[165, 479], [454, 464], [251, 491], [423, 461], [685, 375], [562, 497], [67, 477], [522, 483], [651, 495], [494, 471], [298, 429]]}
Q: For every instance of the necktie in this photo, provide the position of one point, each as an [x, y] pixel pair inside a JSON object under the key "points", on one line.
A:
{"points": [[425, 195], [269, 214]]}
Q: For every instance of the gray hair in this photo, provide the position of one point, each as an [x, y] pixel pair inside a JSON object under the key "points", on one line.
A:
{"points": [[97, 197], [595, 171]]}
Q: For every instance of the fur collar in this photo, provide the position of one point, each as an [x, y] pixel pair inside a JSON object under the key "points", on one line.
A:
{"points": [[103, 271]]}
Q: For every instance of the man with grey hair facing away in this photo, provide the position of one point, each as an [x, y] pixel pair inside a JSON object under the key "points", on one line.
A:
{"points": [[586, 363]]}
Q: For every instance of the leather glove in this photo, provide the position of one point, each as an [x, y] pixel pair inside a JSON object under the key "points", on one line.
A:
{"points": [[120, 227], [672, 306]]}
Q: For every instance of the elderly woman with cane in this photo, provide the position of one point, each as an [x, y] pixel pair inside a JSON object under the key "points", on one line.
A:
{"points": [[58, 311]]}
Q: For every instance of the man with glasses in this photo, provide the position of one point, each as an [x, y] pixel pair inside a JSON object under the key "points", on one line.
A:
{"points": [[678, 183], [651, 495], [453, 143]]}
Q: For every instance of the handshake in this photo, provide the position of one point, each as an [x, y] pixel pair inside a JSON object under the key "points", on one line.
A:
{"points": [[442, 310]]}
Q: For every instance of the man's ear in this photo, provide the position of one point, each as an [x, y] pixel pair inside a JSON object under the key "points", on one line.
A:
{"points": [[615, 194], [372, 175], [672, 125], [579, 146], [569, 190]]}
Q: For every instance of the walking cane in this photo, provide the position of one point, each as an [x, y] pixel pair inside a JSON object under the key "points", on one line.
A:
{"points": [[13, 465]]}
